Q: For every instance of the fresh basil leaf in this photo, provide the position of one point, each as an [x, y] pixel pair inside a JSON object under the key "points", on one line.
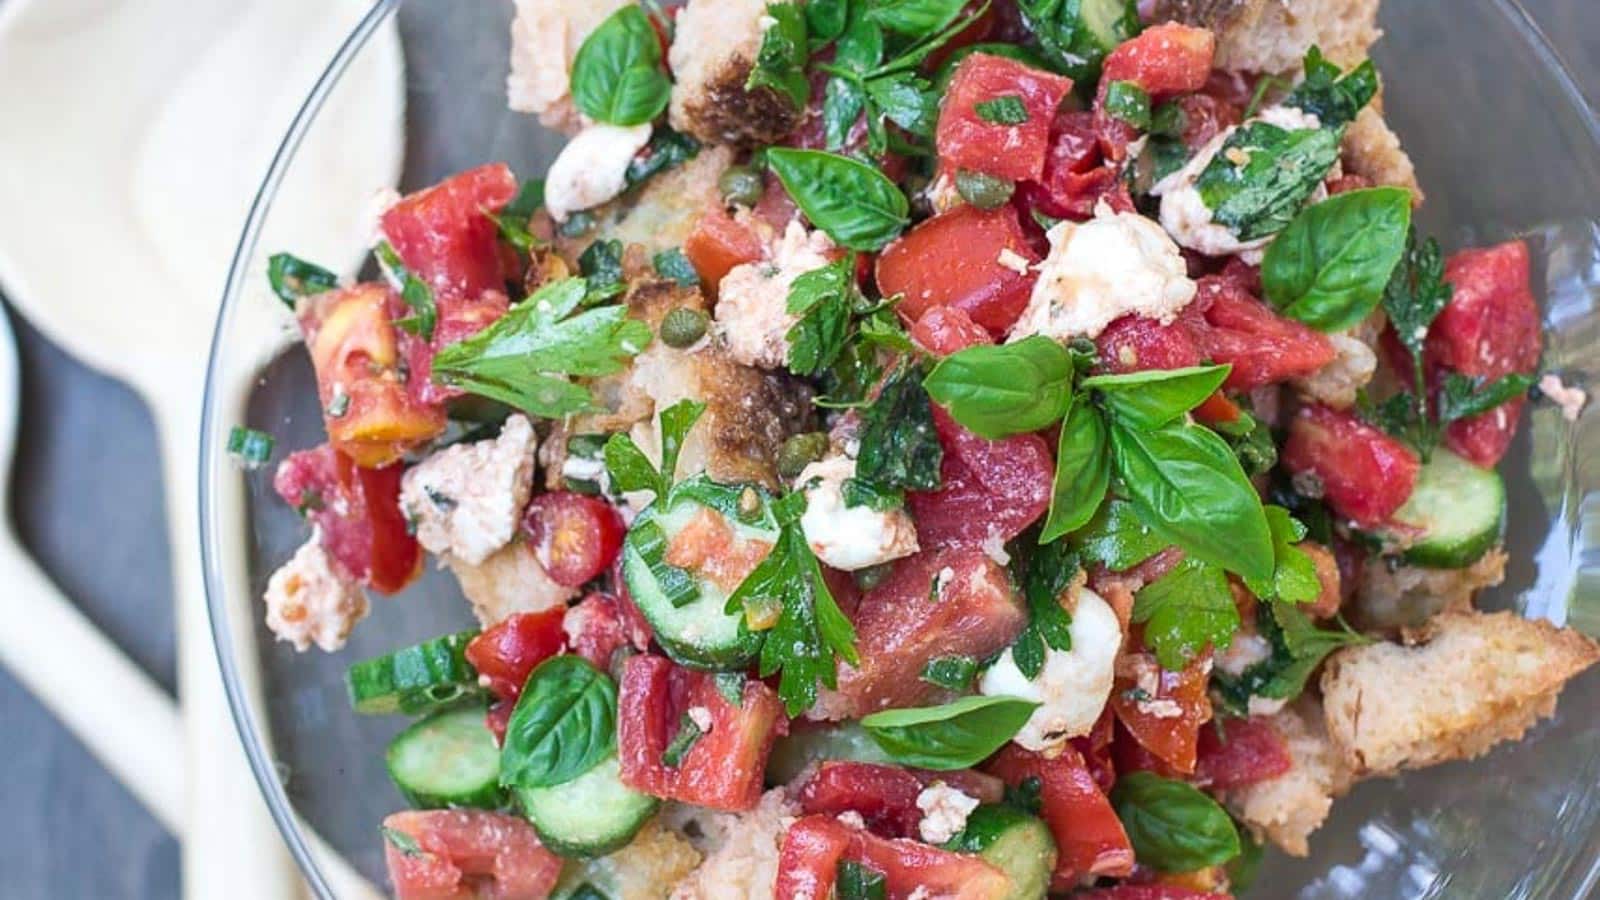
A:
{"points": [[521, 359], [1004, 110], [1294, 575], [900, 447], [1279, 170], [1172, 825], [781, 61], [915, 18], [1045, 572], [1076, 35], [826, 19], [1157, 397], [957, 735], [1129, 103], [601, 265], [856, 204], [1185, 610], [1461, 396], [1334, 100], [564, 724], [674, 266], [823, 299], [858, 881], [292, 278], [1329, 267], [1083, 471], [616, 75], [997, 390], [954, 673], [667, 149], [1117, 538], [414, 292]]}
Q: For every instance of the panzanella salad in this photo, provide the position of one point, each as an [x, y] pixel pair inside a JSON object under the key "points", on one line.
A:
{"points": [[919, 449]]}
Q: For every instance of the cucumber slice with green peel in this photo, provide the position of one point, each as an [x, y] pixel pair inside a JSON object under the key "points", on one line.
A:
{"points": [[801, 747], [1014, 842], [418, 680], [1457, 510], [591, 815], [1106, 23], [688, 613], [449, 759]]}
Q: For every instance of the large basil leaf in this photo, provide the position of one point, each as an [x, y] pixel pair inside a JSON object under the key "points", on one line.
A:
{"points": [[998, 390], [781, 61], [1117, 538], [1334, 100], [1083, 471], [856, 204], [617, 75], [1184, 610], [1155, 397], [1329, 267], [1190, 489], [957, 735], [1172, 825], [1281, 170], [564, 724]]}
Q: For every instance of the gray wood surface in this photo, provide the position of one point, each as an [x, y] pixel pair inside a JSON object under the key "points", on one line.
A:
{"points": [[88, 504]]}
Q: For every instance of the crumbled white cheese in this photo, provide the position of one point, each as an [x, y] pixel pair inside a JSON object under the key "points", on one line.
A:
{"points": [[942, 194], [1338, 383], [849, 537], [941, 581], [1073, 686], [752, 313], [1570, 399], [994, 547], [311, 599], [944, 812], [592, 168], [1100, 270], [1011, 259], [1246, 650], [701, 717], [467, 499], [1265, 706], [852, 819], [587, 468]]}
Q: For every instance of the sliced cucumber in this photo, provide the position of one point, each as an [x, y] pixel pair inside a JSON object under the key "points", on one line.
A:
{"points": [[1015, 843], [590, 815], [1459, 510], [801, 747], [688, 613], [414, 681], [1106, 23], [448, 759]]}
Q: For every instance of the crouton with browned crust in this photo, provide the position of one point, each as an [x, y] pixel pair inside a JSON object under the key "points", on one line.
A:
{"points": [[712, 55]]}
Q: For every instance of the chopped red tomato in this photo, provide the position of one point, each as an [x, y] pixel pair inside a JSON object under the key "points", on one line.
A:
{"points": [[458, 320], [1135, 344], [366, 407], [1163, 59], [1204, 117], [1217, 409], [943, 330], [1090, 841], [906, 620], [459, 854], [1096, 750], [358, 513], [954, 259], [1237, 752], [1262, 346], [815, 845], [1167, 721], [1129, 755], [443, 235], [1484, 438], [723, 768], [990, 490], [510, 650], [1365, 474], [1149, 892], [574, 536], [885, 796], [600, 626], [717, 244], [1076, 174], [973, 138]]}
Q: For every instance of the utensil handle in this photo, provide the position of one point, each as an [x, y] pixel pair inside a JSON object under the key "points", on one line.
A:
{"points": [[123, 717]]}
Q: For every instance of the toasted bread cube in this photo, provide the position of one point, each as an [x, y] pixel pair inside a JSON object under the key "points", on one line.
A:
{"points": [[712, 55], [1286, 809]]}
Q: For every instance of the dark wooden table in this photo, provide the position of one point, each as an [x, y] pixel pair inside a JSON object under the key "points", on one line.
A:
{"points": [[90, 510]]}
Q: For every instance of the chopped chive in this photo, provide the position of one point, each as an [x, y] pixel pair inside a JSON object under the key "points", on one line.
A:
{"points": [[1007, 110], [1128, 102], [688, 733], [292, 278], [250, 447]]}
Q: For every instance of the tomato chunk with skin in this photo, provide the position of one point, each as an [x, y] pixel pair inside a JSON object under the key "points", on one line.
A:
{"points": [[814, 846], [1484, 438], [357, 511], [462, 854], [1135, 344], [989, 490], [1231, 326], [968, 140], [1240, 752], [724, 767], [443, 235], [509, 651], [885, 796], [902, 623], [1365, 475], [1090, 841], [943, 330], [601, 625], [717, 244], [1172, 738], [458, 319], [1076, 174], [1163, 59], [954, 260], [574, 536]]}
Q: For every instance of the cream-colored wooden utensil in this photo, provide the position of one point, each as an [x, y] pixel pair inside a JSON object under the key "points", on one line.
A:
{"points": [[136, 134]]}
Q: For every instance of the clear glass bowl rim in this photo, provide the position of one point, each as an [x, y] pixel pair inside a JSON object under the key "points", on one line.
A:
{"points": [[213, 458]]}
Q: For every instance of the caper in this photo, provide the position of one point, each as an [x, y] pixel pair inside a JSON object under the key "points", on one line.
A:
{"points": [[742, 185], [682, 327], [983, 191], [800, 451]]}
